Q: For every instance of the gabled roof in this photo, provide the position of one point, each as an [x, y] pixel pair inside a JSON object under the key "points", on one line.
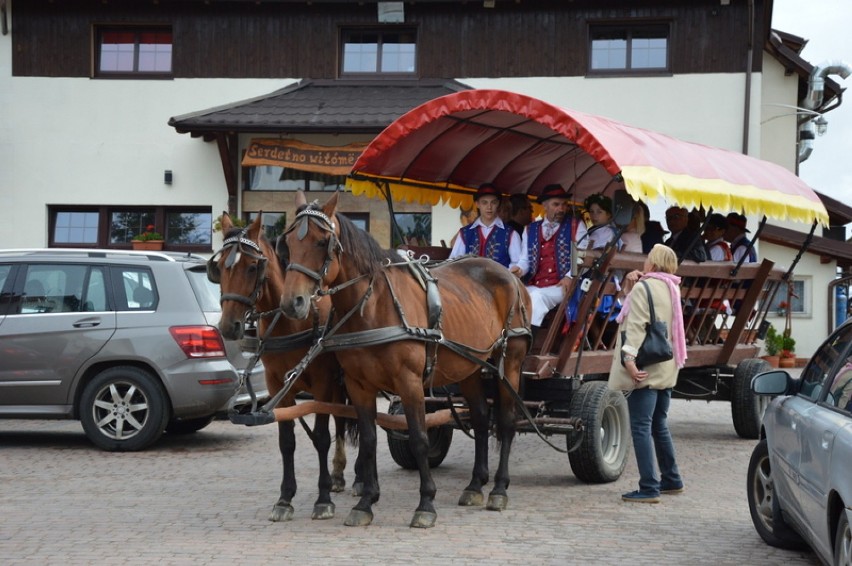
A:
{"points": [[339, 106], [830, 249]]}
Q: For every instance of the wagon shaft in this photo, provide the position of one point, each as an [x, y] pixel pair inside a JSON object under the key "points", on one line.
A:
{"points": [[384, 420]]}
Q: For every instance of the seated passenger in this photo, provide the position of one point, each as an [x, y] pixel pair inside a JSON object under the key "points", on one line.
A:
{"points": [[714, 236], [635, 231], [487, 236], [546, 252], [684, 238], [736, 236], [603, 229]]}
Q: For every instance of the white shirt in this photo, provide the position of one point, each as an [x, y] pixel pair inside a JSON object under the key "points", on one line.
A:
{"points": [[460, 248]]}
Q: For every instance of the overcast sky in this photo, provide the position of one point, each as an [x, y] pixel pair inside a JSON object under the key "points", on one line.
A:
{"points": [[826, 24]]}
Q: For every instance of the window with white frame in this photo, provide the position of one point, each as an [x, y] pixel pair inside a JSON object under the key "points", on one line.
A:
{"points": [[798, 301]]}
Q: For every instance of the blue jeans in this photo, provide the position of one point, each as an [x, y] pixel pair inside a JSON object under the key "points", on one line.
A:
{"points": [[649, 410]]}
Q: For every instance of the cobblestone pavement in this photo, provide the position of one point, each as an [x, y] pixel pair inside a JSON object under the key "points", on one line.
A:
{"points": [[205, 498]]}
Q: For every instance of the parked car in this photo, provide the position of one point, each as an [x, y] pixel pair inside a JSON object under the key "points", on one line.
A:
{"points": [[124, 341], [800, 473]]}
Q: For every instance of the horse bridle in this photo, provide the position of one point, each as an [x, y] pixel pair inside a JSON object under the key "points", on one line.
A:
{"points": [[240, 242], [301, 225]]}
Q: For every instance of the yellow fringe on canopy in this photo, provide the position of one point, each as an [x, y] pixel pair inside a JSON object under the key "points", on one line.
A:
{"points": [[649, 184], [425, 193]]}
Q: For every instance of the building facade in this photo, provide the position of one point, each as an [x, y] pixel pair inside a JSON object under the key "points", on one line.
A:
{"points": [[119, 115]]}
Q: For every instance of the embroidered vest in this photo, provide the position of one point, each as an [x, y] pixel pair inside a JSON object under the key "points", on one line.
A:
{"points": [[553, 256], [752, 255], [495, 247]]}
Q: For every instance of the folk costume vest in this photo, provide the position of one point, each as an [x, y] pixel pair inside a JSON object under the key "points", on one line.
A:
{"points": [[723, 245], [742, 242], [495, 247], [550, 260]]}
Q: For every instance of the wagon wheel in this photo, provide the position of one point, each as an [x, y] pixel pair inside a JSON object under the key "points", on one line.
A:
{"points": [[440, 438], [602, 453], [747, 408]]}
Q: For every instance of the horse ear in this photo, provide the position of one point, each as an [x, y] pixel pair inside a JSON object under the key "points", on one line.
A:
{"points": [[330, 207], [301, 199], [256, 225], [226, 222]]}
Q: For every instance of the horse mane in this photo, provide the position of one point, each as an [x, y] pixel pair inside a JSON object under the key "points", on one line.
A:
{"points": [[362, 248]]}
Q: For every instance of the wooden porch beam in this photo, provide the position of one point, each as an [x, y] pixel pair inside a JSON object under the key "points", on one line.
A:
{"points": [[227, 144]]}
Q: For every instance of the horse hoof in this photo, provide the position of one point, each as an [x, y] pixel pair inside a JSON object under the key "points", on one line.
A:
{"points": [[471, 498], [338, 485], [358, 518], [358, 489], [323, 511], [497, 502], [423, 520], [281, 512]]}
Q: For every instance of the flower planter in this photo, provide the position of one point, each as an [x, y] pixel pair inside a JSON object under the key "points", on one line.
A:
{"points": [[787, 362], [772, 360], [147, 245]]}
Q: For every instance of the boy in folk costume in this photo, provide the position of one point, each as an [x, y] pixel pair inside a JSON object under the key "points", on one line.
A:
{"points": [[714, 236], [487, 236], [546, 252]]}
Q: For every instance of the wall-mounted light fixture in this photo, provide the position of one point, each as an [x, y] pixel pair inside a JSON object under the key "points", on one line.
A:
{"points": [[168, 177]]}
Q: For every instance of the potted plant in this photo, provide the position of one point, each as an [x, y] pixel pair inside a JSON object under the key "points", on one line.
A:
{"points": [[787, 354], [235, 220], [772, 345], [148, 240]]}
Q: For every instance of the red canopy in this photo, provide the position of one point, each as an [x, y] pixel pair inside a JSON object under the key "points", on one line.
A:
{"points": [[457, 142]]}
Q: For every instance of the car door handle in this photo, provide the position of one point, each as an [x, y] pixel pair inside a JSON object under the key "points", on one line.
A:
{"points": [[87, 323]]}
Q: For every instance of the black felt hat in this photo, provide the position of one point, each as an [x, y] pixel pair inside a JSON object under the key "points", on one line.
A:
{"points": [[552, 191], [487, 189]]}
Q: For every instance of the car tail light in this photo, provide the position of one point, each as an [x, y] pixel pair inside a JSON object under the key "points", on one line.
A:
{"points": [[199, 341]]}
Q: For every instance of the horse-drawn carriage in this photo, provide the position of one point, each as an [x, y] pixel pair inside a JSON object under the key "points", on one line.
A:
{"points": [[452, 339]]}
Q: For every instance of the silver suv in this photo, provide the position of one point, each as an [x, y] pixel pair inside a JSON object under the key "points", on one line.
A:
{"points": [[126, 342]]}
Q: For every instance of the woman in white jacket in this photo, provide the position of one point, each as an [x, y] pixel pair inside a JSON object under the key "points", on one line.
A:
{"points": [[650, 388]]}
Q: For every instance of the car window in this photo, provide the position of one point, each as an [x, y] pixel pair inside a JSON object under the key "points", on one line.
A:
{"points": [[52, 288], [818, 374], [136, 290], [207, 292], [95, 296], [6, 296]]}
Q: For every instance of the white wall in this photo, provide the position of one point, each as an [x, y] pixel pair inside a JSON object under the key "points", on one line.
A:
{"points": [[83, 141]]}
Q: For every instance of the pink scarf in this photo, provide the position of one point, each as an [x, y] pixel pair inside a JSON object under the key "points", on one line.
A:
{"points": [[678, 336]]}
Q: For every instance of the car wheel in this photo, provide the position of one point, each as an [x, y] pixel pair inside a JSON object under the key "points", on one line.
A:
{"points": [[440, 439], [763, 504], [843, 541], [747, 408], [603, 450], [188, 426], [123, 409]]}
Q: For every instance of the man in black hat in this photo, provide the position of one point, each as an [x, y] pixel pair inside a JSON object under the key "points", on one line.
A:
{"points": [[546, 252], [487, 236], [736, 236]]}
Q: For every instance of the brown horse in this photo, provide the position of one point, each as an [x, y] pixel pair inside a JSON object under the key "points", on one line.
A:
{"points": [[251, 280], [384, 315]]}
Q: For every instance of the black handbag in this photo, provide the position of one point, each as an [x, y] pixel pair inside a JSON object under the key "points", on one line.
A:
{"points": [[656, 346]]}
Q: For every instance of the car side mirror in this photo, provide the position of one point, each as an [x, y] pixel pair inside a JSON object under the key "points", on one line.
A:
{"points": [[772, 383]]}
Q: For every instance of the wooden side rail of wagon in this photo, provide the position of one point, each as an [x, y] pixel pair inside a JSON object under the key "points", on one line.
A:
{"points": [[723, 315]]}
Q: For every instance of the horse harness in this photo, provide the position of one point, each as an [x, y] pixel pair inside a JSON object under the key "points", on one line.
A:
{"points": [[432, 335]]}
